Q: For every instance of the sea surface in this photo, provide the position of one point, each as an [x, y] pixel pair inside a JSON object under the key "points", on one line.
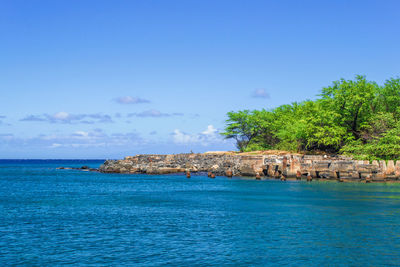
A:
{"points": [[52, 217]]}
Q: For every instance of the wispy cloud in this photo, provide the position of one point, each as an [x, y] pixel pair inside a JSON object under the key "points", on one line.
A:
{"points": [[2, 117], [5, 136], [204, 138], [77, 139], [2, 122], [67, 118], [96, 138], [260, 93], [153, 113], [33, 118], [130, 100]]}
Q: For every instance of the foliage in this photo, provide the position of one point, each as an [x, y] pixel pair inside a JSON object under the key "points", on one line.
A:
{"points": [[242, 126], [356, 117]]}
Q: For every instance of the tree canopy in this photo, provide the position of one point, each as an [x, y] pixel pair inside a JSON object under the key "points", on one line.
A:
{"points": [[356, 117]]}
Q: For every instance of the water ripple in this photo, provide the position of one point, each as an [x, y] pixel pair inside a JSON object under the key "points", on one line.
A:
{"points": [[57, 217]]}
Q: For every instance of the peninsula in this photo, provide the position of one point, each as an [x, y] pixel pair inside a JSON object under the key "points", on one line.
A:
{"points": [[259, 165], [350, 133]]}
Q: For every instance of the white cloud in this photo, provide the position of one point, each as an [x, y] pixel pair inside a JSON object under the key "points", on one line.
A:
{"points": [[6, 137], [260, 93], [206, 137], [68, 118], [81, 133], [78, 139], [210, 130], [154, 114], [77, 145], [55, 145], [61, 115], [131, 100], [184, 138]]}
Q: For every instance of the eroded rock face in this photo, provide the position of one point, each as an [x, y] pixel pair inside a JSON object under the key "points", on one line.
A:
{"points": [[277, 166], [163, 170], [163, 164]]}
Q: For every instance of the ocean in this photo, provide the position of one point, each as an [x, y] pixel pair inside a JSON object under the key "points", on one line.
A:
{"points": [[54, 217]]}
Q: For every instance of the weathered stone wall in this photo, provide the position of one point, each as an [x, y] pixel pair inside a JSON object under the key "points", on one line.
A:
{"points": [[277, 166]]}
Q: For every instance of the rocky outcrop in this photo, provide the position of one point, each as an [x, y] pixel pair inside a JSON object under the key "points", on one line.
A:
{"points": [[83, 168], [280, 166]]}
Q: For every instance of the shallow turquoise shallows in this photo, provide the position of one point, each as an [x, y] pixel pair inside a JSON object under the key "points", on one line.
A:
{"points": [[55, 217]]}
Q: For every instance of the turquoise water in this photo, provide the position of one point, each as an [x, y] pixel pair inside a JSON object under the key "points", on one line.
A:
{"points": [[56, 217]]}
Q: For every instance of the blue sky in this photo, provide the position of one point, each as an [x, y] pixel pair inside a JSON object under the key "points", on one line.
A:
{"points": [[106, 79]]}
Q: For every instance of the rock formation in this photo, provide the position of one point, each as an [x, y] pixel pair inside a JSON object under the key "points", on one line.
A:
{"points": [[279, 166]]}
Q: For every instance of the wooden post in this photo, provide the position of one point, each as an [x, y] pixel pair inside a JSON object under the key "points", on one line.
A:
{"points": [[298, 175]]}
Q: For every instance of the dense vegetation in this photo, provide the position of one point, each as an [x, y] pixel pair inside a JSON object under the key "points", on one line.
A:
{"points": [[356, 117]]}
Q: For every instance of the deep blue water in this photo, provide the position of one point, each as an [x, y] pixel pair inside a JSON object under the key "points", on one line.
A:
{"points": [[55, 217]]}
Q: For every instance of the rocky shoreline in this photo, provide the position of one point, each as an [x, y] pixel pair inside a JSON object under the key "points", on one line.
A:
{"points": [[83, 168], [278, 165]]}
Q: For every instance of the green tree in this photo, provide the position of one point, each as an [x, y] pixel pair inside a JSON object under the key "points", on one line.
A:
{"points": [[352, 101], [322, 132], [355, 117], [242, 127], [389, 98], [289, 127]]}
